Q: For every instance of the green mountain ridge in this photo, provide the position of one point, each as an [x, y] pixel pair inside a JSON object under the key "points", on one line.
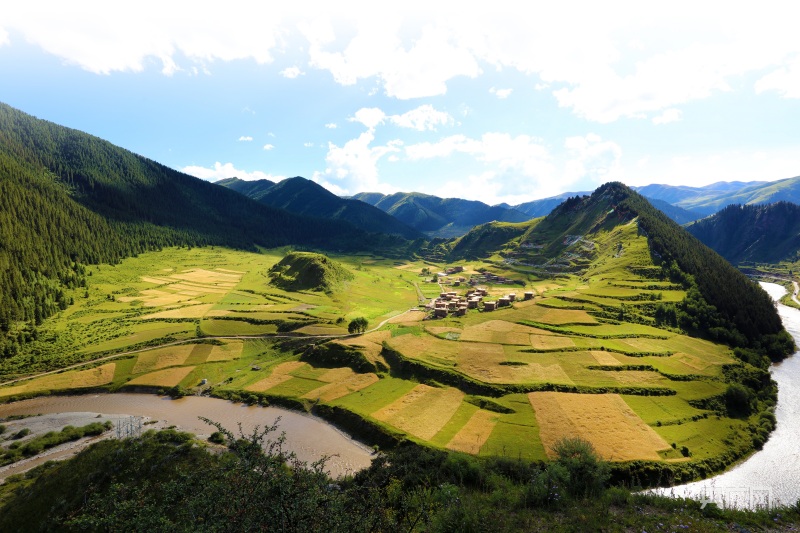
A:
{"points": [[752, 233], [304, 197], [439, 217]]}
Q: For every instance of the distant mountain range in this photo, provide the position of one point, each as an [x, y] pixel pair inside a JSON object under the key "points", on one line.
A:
{"points": [[305, 197], [439, 217], [712, 198]]}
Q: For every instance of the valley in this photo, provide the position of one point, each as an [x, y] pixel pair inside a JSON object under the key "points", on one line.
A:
{"points": [[582, 357]]}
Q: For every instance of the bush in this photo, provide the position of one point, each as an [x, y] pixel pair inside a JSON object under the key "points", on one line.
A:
{"points": [[358, 325], [587, 474], [738, 400], [217, 438]]}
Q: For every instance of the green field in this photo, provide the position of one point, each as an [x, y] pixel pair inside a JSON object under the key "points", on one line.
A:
{"points": [[568, 336]]}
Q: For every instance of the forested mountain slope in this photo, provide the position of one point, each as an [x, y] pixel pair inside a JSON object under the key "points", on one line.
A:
{"points": [[439, 217], [757, 233], [304, 197]]}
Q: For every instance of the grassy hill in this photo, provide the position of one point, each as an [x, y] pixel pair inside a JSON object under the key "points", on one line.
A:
{"points": [[439, 217], [304, 197], [752, 233], [300, 271]]}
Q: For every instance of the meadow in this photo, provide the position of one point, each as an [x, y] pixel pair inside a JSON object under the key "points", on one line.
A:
{"points": [[583, 358]]}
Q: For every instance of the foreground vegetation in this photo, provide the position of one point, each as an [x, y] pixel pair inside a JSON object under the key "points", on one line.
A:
{"points": [[166, 481]]}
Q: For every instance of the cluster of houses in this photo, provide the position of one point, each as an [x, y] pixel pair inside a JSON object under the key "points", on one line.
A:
{"points": [[488, 277], [450, 303]]}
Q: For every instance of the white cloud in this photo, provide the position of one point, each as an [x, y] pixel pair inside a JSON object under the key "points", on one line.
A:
{"points": [[408, 68], [705, 168], [369, 116], [593, 159], [515, 168], [269, 147], [331, 125], [353, 167], [669, 115], [425, 117], [227, 170], [615, 60], [108, 37], [292, 72], [502, 94], [784, 80], [245, 138], [308, 144]]}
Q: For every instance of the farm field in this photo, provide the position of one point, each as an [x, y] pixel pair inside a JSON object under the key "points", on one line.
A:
{"points": [[582, 358]]}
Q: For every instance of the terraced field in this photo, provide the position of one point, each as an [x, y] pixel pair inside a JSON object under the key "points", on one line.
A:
{"points": [[583, 358]]}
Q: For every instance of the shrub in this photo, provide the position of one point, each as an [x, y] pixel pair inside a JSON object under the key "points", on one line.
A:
{"points": [[217, 438], [587, 474]]}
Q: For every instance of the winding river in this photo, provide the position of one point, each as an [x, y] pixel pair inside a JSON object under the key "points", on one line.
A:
{"points": [[309, 437], [772, 475]]}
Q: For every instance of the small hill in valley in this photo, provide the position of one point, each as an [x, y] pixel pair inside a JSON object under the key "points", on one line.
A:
{"points": [[308, 271], [752, 233]]}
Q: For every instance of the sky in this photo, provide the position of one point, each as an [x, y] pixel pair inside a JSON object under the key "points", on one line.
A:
{"points": [[491, 101]]}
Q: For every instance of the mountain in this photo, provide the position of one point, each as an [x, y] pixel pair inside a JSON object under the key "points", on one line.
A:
{"points": [[68, 198], [439, 217], [752, 233], [684, 195], [712, 198], [588, 235], [304, 197], [678, 214], [542, 207], [254, 189]]}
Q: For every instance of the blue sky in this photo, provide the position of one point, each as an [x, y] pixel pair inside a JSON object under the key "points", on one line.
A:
{"points": [[496, 104]]}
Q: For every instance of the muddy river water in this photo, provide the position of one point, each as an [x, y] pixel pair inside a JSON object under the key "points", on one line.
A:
{"points": [[309, 437]]}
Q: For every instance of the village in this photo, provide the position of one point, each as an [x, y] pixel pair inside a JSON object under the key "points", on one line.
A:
{"points": [[451, 303]]}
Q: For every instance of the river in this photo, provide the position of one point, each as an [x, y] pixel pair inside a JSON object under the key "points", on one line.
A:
{"points": [[307, 436], [770, 476]]}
